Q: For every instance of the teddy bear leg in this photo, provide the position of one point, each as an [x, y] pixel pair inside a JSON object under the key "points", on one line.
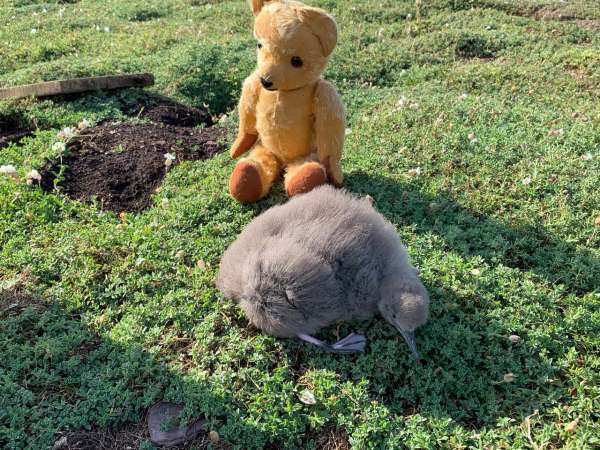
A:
{"points": [[253, 177], [303, 176]]}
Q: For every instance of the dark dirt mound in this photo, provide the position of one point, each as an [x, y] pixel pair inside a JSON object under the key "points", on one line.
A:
{"points": [[172, 113], [12, 131], [122, 164]]}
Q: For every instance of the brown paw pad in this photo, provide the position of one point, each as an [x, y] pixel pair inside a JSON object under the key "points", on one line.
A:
{"points": [[306, 179], [245, 185]]}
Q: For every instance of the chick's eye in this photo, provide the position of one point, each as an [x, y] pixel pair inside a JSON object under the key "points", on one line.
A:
{"points": [[297, 61], [258, 45]]}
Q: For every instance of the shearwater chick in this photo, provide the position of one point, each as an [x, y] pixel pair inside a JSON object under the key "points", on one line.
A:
{"points": [[322, 257]]}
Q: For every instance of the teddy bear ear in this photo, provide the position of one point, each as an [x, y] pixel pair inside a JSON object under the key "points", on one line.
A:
{"points": [[257, 5], [322, 25]]}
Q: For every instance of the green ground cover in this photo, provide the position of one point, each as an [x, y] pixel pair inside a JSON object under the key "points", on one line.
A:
{"points": [[475, 127]]}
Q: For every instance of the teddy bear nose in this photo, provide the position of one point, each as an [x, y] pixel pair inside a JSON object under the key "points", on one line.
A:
{"points": [[266, 83]]}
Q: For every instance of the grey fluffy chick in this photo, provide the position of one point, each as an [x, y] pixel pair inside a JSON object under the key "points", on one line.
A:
{"points": [[322, 257]]}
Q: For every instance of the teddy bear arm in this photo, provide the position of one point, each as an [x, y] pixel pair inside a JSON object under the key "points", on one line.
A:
{"points": [[330, 126], [247, 133]]}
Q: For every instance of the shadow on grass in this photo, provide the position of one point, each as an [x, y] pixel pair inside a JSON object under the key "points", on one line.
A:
{"points": [[472, 373], [61, 379], [470, 233]]}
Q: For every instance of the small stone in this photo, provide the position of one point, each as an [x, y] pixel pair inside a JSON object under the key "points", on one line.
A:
{"points": [[414, 172], [200, 264], [9, 171], [214, 437], [475, 272], [163, 414], [180, 254], [514, 338]]}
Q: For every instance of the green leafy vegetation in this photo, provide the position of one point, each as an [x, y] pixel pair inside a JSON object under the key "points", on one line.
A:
{"points": [[474, 127]]}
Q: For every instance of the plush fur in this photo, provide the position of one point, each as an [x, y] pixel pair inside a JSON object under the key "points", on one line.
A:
{"points": [[291, 119], [323, 256]]}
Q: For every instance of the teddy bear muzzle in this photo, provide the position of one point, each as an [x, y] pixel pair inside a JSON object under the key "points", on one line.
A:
{"points": [[267, 84]]}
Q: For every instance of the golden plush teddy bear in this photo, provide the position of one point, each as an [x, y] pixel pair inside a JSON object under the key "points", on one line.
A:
{"points": [[290, 117]]}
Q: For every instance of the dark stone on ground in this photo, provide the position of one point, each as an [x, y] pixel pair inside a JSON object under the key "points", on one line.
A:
{"points": [[163, 425]]}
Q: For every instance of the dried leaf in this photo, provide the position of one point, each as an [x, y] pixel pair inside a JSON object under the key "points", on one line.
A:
{"points": [[571, 426], [307, 397]]}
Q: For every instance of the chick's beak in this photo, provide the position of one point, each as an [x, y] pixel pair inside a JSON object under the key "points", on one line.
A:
{"points": [[409, 337]]}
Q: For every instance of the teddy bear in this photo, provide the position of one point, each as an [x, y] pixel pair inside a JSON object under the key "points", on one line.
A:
{"points": [[291, 120]]}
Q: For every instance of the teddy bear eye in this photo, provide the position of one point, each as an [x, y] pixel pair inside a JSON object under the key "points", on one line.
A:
{"points": [[297, 61], [258, 45]]}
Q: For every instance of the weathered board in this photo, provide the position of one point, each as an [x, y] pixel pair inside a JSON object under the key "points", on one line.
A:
{"points": [[76, 85]]}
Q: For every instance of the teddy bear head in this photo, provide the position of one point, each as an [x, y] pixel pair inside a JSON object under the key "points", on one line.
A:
{"points": [[294, 42]]}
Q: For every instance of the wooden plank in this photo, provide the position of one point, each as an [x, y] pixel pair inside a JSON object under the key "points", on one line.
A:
{"points": [[77, 85]]}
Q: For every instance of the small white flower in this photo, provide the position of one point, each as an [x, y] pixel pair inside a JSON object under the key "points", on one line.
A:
{"points": [[61, 11], [44, 10], [169, 158], [9, 171], [509, 377], [526, 181], [84, 124], [97, 27], [66, 134], [463, 96], [33, 30], [165, 202], [33, 175], [472, 138], [59, 147], [587, 157], [414, 172], [106, 30], [348, 131], [400, 103]]}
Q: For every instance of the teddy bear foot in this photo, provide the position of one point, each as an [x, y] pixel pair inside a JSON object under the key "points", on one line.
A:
{"points": [[245, 184], [306, 179]]}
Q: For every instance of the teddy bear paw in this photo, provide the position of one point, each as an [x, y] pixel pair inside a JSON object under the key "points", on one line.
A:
{"points": [[306, 179], [245, 184]]}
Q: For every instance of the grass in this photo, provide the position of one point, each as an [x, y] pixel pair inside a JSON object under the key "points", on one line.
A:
{"points": [[114, 321]]}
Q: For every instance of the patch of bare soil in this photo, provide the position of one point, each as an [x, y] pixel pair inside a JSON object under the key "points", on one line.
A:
{"points": [[169, 112], [11, 131], [332, 439], [15, 300], [127, 437], [121, 165], [589, 24], [551, 13]]}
